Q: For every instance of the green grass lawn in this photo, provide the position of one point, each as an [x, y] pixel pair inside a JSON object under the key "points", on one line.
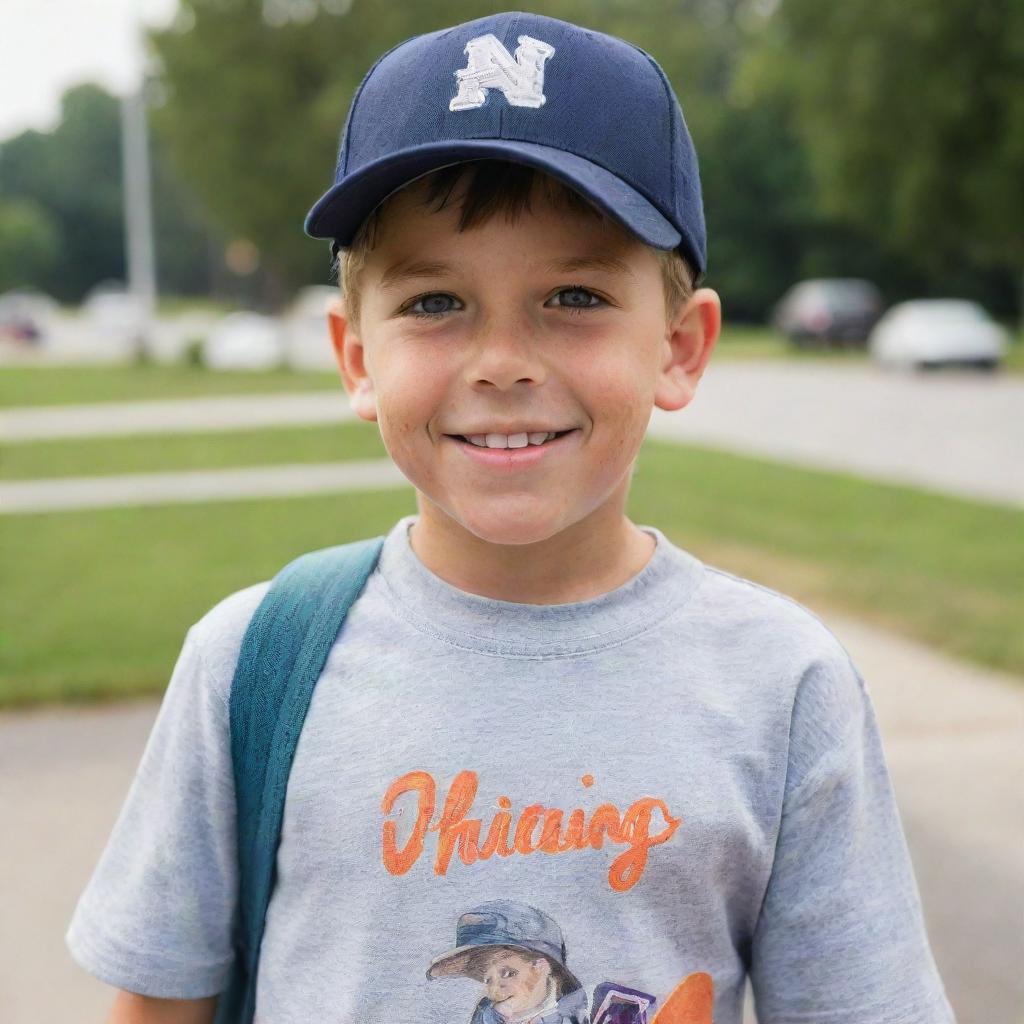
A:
{"points": [[749, 341], [71, 385], [96, 603], [1015, 357], [102, 456]]}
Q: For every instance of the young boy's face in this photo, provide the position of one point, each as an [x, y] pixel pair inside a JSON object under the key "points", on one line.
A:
{"points": [[555, 321], [516, 984]]}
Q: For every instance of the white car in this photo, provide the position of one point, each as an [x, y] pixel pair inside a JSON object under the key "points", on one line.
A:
{"points": [[114, 312], [933, 332], [244, 341]]}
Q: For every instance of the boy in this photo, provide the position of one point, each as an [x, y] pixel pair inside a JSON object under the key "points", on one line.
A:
{"points": [[534, 702]]}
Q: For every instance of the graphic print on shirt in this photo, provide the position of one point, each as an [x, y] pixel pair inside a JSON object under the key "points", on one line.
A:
{"points": [[518, 954], [646, 823]]}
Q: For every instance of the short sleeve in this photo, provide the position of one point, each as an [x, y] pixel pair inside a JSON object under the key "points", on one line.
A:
{"points": [[156, 917], [841, 938]]}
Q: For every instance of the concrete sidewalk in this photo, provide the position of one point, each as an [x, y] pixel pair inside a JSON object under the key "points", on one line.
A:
{"points": [[954, 736], [174, 416], [200, 485]]}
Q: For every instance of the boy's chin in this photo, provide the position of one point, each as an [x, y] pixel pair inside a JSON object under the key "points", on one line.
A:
{"points": [[507, 525]]}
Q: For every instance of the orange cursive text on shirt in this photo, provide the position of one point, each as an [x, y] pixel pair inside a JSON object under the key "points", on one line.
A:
{"points": [[535, 829]]}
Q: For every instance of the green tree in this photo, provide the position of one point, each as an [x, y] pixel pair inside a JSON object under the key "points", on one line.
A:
{"points": [[29, 244], [912, 115], [71, 179], [74, 174]]}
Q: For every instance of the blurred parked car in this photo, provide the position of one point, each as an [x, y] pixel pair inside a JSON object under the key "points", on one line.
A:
{"points": [[115, 316], [26, 316], [821, 311], [307, 341], [935, 332], [244, 341]]}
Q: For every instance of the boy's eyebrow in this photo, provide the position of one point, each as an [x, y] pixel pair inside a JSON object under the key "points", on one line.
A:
{"points": [[609, 263], [403, 270]]}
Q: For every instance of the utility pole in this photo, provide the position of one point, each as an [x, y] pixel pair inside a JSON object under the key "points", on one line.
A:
{"points": [[138, 213]]}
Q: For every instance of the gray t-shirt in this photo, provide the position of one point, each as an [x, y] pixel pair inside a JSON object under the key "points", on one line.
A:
{"points": [[496, 807]]}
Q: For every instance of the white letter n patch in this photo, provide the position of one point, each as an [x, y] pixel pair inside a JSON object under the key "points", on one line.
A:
{"points": [[491, 66]]}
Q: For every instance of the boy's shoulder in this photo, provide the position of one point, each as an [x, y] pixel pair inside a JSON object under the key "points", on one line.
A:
{"points": [[217, 635], [756, 614], [766, 635]]}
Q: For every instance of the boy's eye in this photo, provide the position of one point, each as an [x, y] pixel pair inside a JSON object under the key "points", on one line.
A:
{"points": [[576, 297], [434, 304]]}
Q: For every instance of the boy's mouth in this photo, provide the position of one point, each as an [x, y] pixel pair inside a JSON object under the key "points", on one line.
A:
{"points": [[518, 457], [502, 442]]}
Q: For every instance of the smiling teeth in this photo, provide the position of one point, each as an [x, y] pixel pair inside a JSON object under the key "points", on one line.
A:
{"points": [[509, 440]]}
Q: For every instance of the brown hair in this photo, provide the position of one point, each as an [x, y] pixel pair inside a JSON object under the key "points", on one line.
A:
{"points": [[495, 187]]}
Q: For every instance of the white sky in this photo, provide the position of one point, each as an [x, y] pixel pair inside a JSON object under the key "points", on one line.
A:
{"points": [[48, 45]]}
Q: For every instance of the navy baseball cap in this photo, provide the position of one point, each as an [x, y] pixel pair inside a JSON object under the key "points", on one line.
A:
{"points": [[589, 109]]}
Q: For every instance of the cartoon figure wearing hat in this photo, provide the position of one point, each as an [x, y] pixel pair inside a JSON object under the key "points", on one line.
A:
{"points": [[517, 952]]}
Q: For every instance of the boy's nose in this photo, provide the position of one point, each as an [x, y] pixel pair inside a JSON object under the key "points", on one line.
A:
{"points": [[504, 359]]}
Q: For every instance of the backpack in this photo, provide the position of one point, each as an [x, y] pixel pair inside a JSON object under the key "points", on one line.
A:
{"points": [[283, 651]]}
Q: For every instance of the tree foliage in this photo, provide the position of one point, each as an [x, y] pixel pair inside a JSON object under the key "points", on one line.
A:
{"points": [[74, 173], [913, 118], [62, 222], [29, 244]]}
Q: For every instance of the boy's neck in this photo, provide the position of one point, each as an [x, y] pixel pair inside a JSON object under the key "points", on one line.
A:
{"points": [[581, 563]]}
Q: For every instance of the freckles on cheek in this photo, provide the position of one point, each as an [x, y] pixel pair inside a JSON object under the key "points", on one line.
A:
{"points": [[402, 411]]}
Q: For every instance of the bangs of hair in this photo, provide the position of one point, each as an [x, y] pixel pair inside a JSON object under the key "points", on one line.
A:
{"points": [[499, 188]]}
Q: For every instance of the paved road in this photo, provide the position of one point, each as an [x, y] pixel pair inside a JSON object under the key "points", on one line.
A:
{"points": [[959, 433], [954, 736], [174, 416]]}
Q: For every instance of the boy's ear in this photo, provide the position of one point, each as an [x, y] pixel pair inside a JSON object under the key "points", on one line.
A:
{"points": [[690, 337], [350, 356]]}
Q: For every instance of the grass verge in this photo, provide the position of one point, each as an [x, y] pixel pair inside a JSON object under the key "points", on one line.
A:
{"points": [[160, 453], [22, 386]]}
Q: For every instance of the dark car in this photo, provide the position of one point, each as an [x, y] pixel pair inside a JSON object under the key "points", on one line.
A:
{"points": [[828, 311], [25, 316]]}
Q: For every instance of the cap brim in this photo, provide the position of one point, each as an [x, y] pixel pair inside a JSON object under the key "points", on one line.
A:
{"points": [[340, 211], [453, 963]]}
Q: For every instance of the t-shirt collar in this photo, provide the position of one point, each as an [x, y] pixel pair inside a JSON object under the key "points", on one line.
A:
{"points": [[514, 629]]}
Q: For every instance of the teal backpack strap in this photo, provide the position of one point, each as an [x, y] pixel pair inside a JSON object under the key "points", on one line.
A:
{"points": [[283, 653]]}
